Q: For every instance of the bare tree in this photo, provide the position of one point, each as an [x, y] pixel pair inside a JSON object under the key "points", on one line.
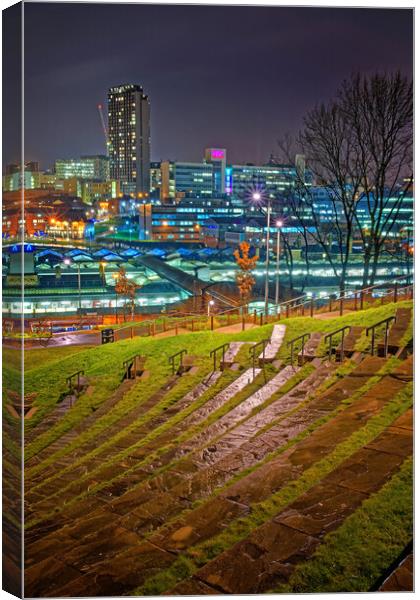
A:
{"points": [[379, 113], [326, 142], [358, 148]]}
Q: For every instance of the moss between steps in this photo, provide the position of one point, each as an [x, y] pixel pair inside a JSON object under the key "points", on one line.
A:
{"points": [[241, 528]]}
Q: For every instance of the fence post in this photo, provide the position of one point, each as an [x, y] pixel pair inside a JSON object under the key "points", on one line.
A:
{"points": [[395, 291], [287, 311], [312, 307], [303, 308], [355, 299], [176, 328], [243, 323], [255, 316], [131, 332], [261, 318], [362, 293], [330, 303], [341, 305], [212, 322]]}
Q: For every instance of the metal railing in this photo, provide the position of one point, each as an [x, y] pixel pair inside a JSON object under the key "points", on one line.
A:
{"points": [[329, 336], [133, 365], [301, 338], [303, 305], [74, 387], [213, 354], [256, 347], [173, 359], [372, 330]]}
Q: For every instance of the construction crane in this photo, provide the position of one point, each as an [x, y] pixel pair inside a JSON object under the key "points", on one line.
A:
{"points": [[104, 129]]}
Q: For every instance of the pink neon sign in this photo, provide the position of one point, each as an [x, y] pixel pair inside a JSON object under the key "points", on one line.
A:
{"points": [[217, 153]]}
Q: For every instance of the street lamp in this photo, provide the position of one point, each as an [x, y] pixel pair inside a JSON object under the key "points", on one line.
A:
{"points": [[257, 197], [115, 276], [279, 225], [103, 266], [68, 262], [209, 305]]}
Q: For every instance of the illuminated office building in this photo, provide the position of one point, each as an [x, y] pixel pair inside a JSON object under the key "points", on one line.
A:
{"points": [[85, 167], [129, 138], [185, 179]]}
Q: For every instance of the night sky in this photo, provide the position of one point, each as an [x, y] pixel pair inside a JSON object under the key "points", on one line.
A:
{"points": [[233, 77]]}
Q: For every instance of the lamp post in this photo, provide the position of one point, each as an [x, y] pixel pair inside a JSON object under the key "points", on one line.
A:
{"points": [[257, 197], [209, 306], [115, 276], [279, 225], [103, 266]]}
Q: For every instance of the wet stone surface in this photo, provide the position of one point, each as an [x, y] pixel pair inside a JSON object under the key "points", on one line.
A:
{"points": [[321, 509], [402, 579], [274, 345], [260, 562]]}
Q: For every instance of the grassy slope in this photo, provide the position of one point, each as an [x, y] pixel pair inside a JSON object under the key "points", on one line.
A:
{"points": [[102, 364]]}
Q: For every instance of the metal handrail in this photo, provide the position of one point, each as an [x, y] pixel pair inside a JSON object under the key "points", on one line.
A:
{"points": [[172, 358], [372, 329], [213, 353], [292, 342], [346, 294], [70, 378], [127, 364], [330, 337], [252, 350]]}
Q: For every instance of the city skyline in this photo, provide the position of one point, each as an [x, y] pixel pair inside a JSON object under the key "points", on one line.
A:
{"points": [[199, 49]]}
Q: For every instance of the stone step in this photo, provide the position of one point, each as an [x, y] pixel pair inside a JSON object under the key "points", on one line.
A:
{"points": [[231, 354], [119, 572], [350, 340], [310, 348], [402, 577], [110, 571], [143, 452], [184, 402], [396, 332], [272, 348], [104, 436], [270, 554], [80, 427]]}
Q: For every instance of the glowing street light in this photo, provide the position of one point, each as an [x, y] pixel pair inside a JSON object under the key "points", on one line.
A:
{"points": [[279, 225], [257, 197], [209, 306]]}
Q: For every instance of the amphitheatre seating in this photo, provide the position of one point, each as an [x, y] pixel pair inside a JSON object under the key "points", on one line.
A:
{"points": [[310, 348], [178, 480], [397, 332]]}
